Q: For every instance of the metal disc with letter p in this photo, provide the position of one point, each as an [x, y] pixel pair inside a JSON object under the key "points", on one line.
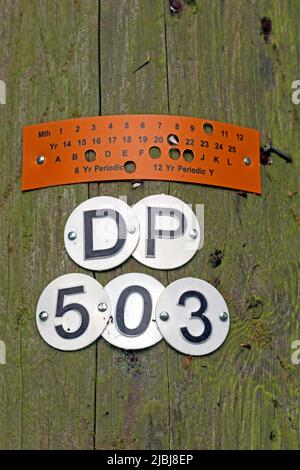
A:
{"points": [[192, 316], [169, 232], [72, 312], [133, 300], [101, 233]]}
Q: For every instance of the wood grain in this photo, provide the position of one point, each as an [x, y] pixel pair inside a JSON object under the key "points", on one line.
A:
{"points": [[133, 387], [62, 59], [49, 63]]}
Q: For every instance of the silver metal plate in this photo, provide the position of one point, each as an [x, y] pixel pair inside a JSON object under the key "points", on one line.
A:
{"points": [[133, 301], [101, 233], [192, 316], [72, 312], [169, 232]]}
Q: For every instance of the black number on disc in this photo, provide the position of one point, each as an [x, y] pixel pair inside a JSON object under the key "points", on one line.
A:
{"points": [[61, 310], [197, 314], [146, 313]]}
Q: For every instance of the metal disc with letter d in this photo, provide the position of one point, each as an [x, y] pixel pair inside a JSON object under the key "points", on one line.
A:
{"points": [[101, 233], [133, 300], [169, 232], [192, 316], [72, 312]]}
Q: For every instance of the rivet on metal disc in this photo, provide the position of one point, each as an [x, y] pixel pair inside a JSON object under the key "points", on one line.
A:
{"points": [[43, 316], [72, 236], [164, 316], [247, 161], [193, 233], [223, 316], [40, 159], [132, 229], [102, 307]]}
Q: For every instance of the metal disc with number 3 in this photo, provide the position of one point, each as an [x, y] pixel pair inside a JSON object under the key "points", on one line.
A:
{"points": [[192, 316], [72, 312], [133, 300], [169, 232], [101, 233]]}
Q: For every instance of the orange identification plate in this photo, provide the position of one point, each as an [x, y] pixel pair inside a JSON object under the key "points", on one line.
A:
{"points": [[141, 147]]}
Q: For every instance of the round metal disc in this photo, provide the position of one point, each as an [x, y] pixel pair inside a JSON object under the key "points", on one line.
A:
{"points": [[101, 233], [133, 300], [192, 316], [72, 312], [169, 232]]}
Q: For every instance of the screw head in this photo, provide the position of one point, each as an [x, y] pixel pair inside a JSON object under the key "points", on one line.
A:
{"points": [[176, 6], [132, 229], [193, 233], [102, 307], [72, 236], [164, 316], [223, 316], [40, 159], [136, 184], [247, 161], [43, 316]]}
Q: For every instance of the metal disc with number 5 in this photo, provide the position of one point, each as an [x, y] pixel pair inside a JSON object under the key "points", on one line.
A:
{"points": [[72, 312], [101, 233], [133, 300], [192, 316], [169, 232]]}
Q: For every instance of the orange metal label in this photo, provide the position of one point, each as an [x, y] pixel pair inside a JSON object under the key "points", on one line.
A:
{"points": [[141, 147]]}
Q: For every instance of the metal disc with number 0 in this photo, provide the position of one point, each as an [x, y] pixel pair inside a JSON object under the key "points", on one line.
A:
{"points": [[169, 232], [72, 312], [133, 300], [192, 316], [101, 233]]}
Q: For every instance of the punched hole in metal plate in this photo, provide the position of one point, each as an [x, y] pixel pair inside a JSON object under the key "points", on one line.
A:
{"points": [[154, 152], [188, 155], [173, 139], [208, 128], [130, 167], [174, 154], [90, 155]]}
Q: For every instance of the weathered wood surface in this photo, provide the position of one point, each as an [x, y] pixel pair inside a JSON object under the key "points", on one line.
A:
{"points": [[66, 58]]}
